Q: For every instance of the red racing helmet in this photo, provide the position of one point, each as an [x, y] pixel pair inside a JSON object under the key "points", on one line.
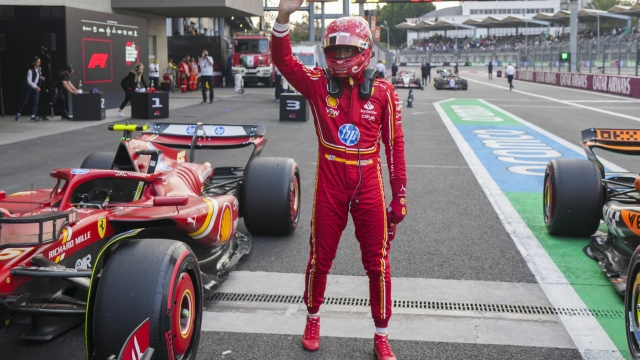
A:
{"points": [[348, 31]]}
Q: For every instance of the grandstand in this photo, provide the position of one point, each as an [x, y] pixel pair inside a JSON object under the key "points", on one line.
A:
{"points": [[532, 39]]}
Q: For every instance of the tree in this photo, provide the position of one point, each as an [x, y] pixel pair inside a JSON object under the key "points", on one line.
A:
{"points": [[396, 13], [603, 4], [606, 5], [299, 31]]}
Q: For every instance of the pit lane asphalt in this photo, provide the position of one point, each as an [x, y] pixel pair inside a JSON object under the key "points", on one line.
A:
{"points": [[452, 232]]}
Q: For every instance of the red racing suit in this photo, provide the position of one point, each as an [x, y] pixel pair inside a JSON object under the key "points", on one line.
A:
{"points": [[348, 174]]}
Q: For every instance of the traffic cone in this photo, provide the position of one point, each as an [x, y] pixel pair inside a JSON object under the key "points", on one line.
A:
{"points": [[410, 99]]}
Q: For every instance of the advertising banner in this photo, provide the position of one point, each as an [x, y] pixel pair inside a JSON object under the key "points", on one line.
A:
{"points": [[103, 48], [612, 84]]}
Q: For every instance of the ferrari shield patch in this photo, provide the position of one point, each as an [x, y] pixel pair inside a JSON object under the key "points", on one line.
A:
{"points": [[102, 227]]}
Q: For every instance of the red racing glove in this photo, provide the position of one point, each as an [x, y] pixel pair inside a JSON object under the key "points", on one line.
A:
{"points": [[397, 210]]}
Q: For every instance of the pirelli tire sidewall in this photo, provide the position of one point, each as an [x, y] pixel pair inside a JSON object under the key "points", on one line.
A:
{"points": [[631, 302], [572, 197], [150, 278], [101, 160], [270, 200]]}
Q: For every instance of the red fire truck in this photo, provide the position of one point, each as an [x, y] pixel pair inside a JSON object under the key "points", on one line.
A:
{"points": [[252, 57]]}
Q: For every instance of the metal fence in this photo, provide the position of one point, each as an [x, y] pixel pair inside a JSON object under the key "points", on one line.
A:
{"points": [[467, 56], [613, 55]]}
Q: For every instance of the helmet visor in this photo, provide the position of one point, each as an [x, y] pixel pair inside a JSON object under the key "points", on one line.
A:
{"points": [[342, 38]]}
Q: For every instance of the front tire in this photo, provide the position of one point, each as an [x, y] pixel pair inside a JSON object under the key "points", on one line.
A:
{"points": [[464, 85], [156, 279], [572, 197], [631, 306], [271, 196]]}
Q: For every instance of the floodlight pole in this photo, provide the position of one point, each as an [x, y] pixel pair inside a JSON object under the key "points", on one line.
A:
{"points": [[526, 42], [388, 31], [322, 19], [312, 21], [598, 39], [573, 37]]}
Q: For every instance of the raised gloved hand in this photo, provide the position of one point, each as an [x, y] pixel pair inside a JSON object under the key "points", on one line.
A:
{"points": [[397, 210]]}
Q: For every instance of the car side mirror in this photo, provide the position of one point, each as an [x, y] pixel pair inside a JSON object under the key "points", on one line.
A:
{"points": [[170, 201]]}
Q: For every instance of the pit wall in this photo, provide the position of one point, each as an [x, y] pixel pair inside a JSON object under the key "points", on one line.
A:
{"points": [[611, 84]]}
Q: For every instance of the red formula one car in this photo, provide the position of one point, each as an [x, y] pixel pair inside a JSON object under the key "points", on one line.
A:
{"points": [[132, 242]]}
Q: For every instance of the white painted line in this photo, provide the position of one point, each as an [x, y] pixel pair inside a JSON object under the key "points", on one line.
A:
{"points": [[587, 334], [459, 291], [563, 101], [604, 101], [411, 327], [588, 92]]}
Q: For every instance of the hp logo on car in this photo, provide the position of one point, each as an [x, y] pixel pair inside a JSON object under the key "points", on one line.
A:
{"points": [[349, 134], [191, 129], [219, 130]]}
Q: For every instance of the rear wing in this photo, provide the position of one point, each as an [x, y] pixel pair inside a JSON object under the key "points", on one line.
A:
{"points": [[209, 135], [204, 136], [624, 141], [621, 141]]}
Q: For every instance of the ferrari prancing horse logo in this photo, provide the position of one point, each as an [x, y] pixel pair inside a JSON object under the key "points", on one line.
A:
{"points": [[102, 227]]}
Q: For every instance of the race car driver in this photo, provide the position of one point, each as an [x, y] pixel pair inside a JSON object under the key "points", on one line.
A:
{"points": [[354, 113]]}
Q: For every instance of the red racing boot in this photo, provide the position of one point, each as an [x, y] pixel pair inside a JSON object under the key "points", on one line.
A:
{"points": [[311, 336], [382, 347]]}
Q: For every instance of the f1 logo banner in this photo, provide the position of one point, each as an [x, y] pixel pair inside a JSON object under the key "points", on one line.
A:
{"points": [[293, 107], [97, 61]]}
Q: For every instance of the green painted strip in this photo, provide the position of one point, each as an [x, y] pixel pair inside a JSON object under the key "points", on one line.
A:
{"points": [[581, 272], [470, 103]]}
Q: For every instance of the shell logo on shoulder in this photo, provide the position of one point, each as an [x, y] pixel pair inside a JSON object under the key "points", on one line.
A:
{"points": [[226, 224], [102, 227], [332, 102]]}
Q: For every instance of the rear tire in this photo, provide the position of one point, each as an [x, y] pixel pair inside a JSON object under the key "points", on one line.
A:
{"points": [[438, 84], [101, 160], [156, 279], [271, 196], [631, 301], [464, 84], [572, 197]]}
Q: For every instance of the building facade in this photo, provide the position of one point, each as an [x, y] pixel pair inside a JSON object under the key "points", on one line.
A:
{"points": [[121, 32]]}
